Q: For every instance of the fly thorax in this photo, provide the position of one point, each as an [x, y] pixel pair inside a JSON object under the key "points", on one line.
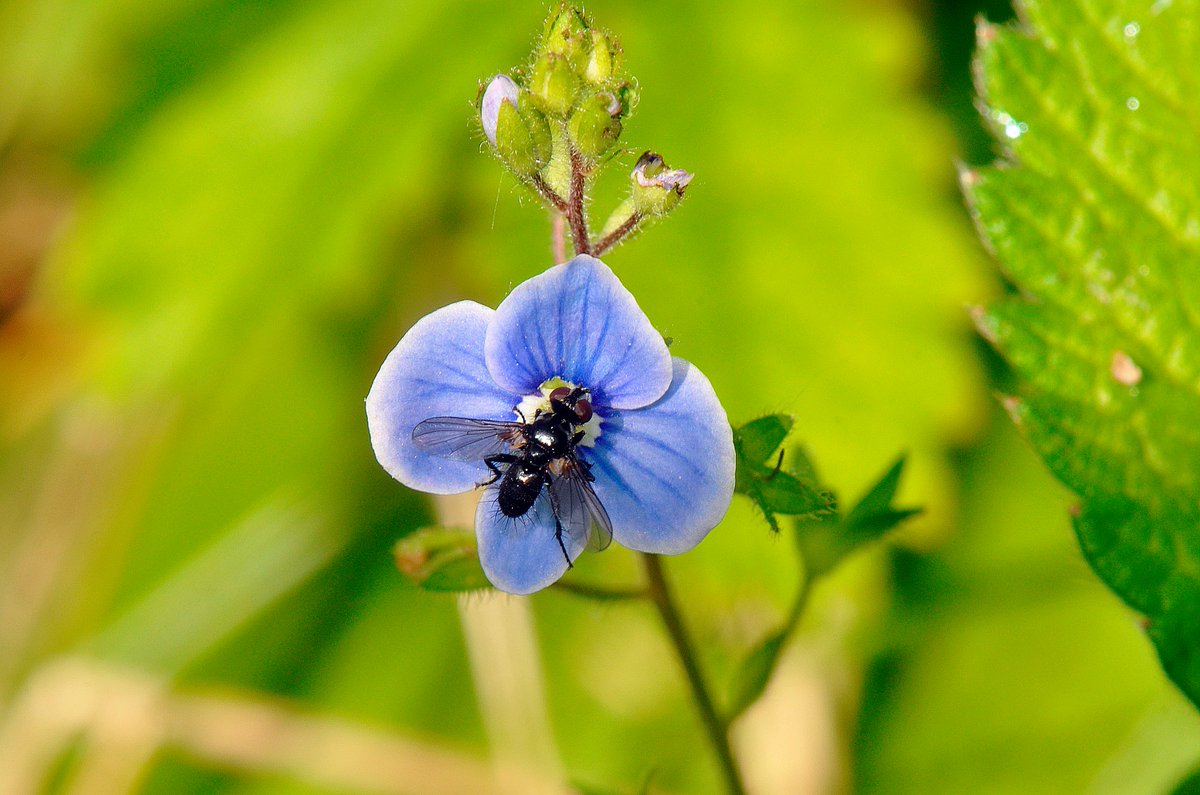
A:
{"points": [[552, 439]]}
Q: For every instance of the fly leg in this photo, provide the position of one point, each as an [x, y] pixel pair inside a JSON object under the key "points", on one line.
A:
{"points": [[491, 461], [558, 534], [558, 528]]}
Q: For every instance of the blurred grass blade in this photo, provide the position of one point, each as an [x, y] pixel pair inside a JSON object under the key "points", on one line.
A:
{"points": [[204, 601]]}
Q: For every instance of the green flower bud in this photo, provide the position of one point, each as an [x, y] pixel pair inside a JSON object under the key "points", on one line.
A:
{"points": [[539, 129], [603, 60], [553, 85], [513, 141], [656, 189], [596, 124], [566, 34]]}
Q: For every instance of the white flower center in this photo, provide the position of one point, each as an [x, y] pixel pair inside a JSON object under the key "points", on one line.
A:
{"points": [[530, 405]]}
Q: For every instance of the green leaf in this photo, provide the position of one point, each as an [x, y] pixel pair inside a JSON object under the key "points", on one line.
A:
{"points": [[752, 676], [441, 559], [823, 543], [757, 440], [1096, 220], [760, 475], [1189, 786]]}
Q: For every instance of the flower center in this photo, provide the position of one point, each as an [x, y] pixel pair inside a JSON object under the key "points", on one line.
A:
{"points": [[530, 405]]}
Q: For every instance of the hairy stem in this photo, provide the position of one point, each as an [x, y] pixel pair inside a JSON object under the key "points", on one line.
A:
{"points": [[714, 725], [617, 235], [575, 215], [548, 193]]}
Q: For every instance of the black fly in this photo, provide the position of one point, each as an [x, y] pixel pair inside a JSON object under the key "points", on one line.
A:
{"points": [[539, 457]]}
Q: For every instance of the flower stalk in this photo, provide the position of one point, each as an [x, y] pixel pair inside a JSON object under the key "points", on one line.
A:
{"points": [[575, 210], [617, 235], [716, 727]]}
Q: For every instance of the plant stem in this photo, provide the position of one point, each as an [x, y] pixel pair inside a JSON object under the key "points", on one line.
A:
{"points": [[575, 216], [717, 728], [600, 592], [549, 194], [558, 240], [617, 235]]}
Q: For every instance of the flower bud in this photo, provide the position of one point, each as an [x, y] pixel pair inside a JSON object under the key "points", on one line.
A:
{"points": [[499, 91], [603, 60], [553, 84], [566, 34], [596, 124], [656, 189], [539, 128], [513, 141]]}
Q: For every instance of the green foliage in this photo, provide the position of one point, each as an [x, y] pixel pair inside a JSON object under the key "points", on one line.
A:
{"points": [[752, 676], [1096, 219], [823, 538], [270, 193], [441, 559], [1189, 786], [826, 540], [760, 476]]}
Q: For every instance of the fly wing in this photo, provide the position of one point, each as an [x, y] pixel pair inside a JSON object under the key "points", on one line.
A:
{"points": [[578, 508], [463, 439]]}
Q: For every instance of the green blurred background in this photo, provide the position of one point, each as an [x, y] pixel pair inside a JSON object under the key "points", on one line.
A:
{"points": [[217, 217]]}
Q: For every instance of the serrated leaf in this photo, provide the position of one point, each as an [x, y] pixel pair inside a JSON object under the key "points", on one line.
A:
{"points": [[441, 559], [1097, 221], [825, 542]]}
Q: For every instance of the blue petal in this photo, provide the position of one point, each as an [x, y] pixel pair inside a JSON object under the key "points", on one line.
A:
{"points": [[578, 321], [437, 369], [520, 555], [665, 472]]}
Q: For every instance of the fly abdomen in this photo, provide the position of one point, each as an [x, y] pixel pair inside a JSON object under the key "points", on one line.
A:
{"points": [[519, 488]]}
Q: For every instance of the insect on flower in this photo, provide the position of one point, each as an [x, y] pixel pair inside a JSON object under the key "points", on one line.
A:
{"points": [[541, 459], [566, 406]]}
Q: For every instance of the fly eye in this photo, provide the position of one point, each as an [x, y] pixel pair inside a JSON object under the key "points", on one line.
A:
{"points": [[583, 409], [560, 394]]}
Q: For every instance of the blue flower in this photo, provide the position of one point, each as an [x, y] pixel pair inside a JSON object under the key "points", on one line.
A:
{"points": [[659, 445]]}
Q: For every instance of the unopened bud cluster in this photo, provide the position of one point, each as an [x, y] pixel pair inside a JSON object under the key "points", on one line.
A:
{"points": [[574, 81], [557, 118]]}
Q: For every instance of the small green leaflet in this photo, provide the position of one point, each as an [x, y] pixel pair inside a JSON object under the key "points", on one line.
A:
{"points": [[761, 475], [824, 542], [1095, 217]]}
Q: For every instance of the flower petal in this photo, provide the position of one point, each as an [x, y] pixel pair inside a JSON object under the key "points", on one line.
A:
{"points": [[437, 369], [520, 555], [665, 472], [578, 321]]}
